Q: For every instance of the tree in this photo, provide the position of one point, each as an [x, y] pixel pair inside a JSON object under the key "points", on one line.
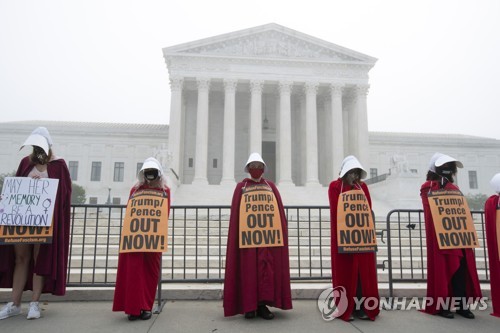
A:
{"points": [[476, 201], [77, 194], [2, 177]]}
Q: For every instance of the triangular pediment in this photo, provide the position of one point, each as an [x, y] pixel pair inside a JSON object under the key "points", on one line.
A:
{"points": [[270, 41]]}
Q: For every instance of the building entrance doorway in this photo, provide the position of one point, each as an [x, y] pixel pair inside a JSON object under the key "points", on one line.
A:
{"points": [[269, 156]]}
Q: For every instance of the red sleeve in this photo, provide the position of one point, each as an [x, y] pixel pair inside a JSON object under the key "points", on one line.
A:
{"points": [[333, 196], [364, 187]]}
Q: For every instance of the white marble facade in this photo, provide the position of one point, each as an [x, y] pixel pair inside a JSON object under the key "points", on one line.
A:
{"points": [[272, 90], [116, 151]]}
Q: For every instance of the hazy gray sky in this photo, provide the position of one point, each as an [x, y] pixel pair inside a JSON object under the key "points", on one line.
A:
{"points": [[438, 67]]}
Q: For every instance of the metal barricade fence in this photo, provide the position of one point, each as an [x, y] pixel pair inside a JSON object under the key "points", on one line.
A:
{"points": [[406, 244], [198, 235], [196, 244]]}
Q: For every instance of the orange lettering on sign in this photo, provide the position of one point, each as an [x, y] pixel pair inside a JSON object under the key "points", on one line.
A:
{"points": [[355, 225], [452, 220], [260, 222], [145, 227]]}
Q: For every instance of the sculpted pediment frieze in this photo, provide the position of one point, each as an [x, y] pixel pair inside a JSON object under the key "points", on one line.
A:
{"points": [[270, 44]]}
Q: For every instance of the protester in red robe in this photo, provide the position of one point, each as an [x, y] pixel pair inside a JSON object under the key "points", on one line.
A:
{"points": [[450, 273], [255, 277], [356, 272], [138, 272], [39, 267], [491, 207]]}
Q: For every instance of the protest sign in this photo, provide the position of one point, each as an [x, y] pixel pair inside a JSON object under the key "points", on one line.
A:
{"points": [[25, 235], [355, 225], [260, 222], [452, 220], [26, 210], [145, 227]]}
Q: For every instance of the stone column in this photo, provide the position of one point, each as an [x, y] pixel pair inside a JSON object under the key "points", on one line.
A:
{"points": [[285, 133], [311, 138], [362, 128], [176, 125], [255, 130], [337, 130], [228, 144], [201, 150]]}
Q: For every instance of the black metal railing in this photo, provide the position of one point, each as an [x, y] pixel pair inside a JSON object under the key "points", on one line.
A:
{"points": [[407, 256], [377, 179], [198, 235], [197, 244]]}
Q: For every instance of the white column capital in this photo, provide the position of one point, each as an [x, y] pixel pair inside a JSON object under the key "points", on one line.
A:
{"points": [[256, 86], [203, 83], [311, 87], [230, 85], [336, 89], [285, 87], [176, 83], [362, 89]]}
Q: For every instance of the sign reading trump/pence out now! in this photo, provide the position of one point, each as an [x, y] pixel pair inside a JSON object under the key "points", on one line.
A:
{"points": [[260, 222], [452, 220], [26, 210], [355, 226], [145, 227]]}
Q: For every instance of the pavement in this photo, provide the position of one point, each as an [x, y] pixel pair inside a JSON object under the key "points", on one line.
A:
{"points": [[207, 316]]}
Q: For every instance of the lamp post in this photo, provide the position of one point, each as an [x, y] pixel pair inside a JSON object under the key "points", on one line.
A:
{"points": [[109, 196]]}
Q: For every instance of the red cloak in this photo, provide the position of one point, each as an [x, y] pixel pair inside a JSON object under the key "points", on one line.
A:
{"points": [[52, 261], [442, 264], [256, 275], [490, 210], [137, 277], [348, 267]]}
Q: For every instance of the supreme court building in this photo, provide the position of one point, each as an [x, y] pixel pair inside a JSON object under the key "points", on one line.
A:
{"points": [[298, 100], [302, 103]]}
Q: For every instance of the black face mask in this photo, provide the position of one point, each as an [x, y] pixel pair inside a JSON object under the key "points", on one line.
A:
{"points": [[151, 174], [447, 170]]}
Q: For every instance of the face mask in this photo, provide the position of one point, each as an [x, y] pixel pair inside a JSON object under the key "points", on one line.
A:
{"points": [[151, 175], [256, 173], [352, 177], [447, 170]]}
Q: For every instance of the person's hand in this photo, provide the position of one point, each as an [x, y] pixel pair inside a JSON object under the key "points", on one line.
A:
{"points": [[35, 177]]}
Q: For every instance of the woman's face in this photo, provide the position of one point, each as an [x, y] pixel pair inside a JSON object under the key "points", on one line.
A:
{"points": [[151, 175], [256, 169], [447, 170], [40, 155], [353, 176], [255, 165]]}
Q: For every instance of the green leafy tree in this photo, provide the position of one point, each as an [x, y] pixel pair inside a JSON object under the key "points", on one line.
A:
{"points": [[77, 194], [2, 177], [476, 201]]}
